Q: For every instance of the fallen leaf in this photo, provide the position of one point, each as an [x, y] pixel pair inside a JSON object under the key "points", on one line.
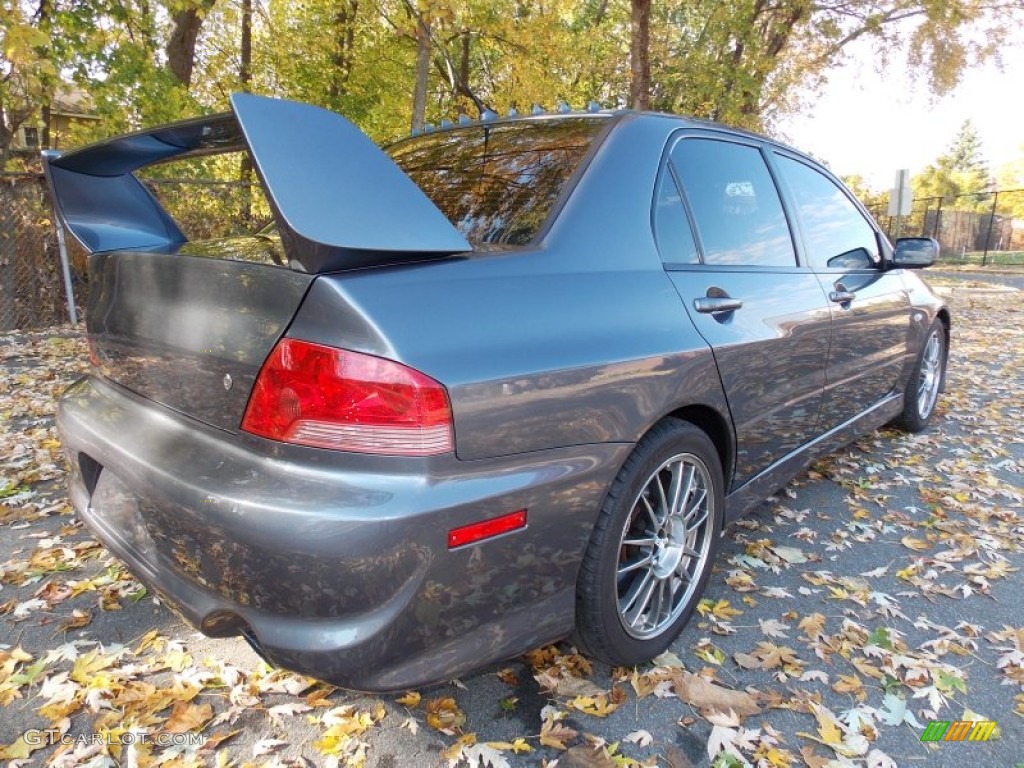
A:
{"points": [[708, 697]]}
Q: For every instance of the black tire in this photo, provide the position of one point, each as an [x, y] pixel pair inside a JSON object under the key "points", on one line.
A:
{"points": [[926, 381], [608, 626]]}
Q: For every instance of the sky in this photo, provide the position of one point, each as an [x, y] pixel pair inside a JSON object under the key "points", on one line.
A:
{"points": [[873, 123]]}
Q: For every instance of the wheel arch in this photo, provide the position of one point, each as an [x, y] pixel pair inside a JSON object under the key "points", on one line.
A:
{"points": [[717, 427], [944, 317]]}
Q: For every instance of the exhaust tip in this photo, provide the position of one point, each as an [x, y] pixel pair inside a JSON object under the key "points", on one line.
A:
{"points": [[223, 624]]}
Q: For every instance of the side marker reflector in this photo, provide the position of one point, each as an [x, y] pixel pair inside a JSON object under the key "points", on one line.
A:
{"points": [[486, 529]]}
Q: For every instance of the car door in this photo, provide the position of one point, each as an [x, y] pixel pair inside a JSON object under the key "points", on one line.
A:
{"points": [[727, 247], [870, 306]]}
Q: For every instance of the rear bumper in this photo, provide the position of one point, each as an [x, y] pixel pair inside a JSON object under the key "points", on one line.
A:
{"points": [[334, 565]]}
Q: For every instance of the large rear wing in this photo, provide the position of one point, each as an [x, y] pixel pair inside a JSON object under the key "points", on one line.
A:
{"points": [[339, 201]]}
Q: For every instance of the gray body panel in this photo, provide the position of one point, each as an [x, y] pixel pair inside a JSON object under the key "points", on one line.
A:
{"points": [[784, 337], [557, 358]]}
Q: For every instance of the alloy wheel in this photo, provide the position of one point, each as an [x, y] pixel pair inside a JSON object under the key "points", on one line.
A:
{"points": [[931, 374], [664, 546]]}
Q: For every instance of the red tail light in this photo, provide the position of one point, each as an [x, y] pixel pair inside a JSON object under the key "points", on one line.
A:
{"points": [[326, 397]]}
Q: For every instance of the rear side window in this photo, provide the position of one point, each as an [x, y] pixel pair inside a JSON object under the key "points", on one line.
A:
{"points": [[836, 234], [498, 183], [735, 204], [671, 227]]}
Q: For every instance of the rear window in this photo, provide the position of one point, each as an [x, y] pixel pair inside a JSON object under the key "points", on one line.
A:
{"points": [[498, 183]]}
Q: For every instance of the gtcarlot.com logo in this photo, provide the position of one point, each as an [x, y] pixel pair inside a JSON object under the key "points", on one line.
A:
{"points": [[958, 730], [52, 736]]}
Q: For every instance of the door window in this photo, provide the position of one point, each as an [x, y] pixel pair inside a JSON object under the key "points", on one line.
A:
{"points": [[735, 204], [836, 234]]}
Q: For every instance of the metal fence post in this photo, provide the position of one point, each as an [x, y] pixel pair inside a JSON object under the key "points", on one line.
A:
{"points": [[66, 269], [988, 236]]}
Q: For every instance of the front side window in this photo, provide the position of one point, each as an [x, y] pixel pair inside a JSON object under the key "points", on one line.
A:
{"points": [[498, 183], [735, 204], [836, 234]]}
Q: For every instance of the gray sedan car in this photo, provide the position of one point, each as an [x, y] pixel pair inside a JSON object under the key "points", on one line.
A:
{"points": [[489, 387]]}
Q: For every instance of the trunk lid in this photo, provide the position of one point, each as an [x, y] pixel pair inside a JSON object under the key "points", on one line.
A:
{"points": [[191, 329]]}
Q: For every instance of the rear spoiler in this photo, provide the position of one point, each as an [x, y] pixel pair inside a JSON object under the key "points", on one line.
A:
{"points": [[339, 201]]}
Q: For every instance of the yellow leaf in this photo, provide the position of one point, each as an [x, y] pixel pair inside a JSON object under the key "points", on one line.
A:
{"points": [[444, 715], [188, 717], [849, 684], [720, 609], [813, 626], [916, 544], [149, 640], [411, 699], [88, 664], [19, 749], [453, 752], [598, 706], [828, 728]]}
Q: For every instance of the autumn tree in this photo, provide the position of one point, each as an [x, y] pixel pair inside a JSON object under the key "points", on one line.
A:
{"points": [[26, 72], [746, 61], [960, 170]]}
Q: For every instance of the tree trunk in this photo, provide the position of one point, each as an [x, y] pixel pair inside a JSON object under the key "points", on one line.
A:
{"points": [[639, 54], [45, 23], [419, 94], [181, 46], [343, 56], [245, 59]]}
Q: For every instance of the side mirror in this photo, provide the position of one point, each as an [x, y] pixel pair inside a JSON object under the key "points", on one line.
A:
{"points": [[915, 252]]}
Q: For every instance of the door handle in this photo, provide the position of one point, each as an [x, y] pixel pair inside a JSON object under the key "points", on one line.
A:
{"points": [[710, 305], [841, 296]]}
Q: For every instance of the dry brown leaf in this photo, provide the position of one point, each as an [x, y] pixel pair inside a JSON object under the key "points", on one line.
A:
{"points": [[708, 697], [587, 756], [556, 735]]}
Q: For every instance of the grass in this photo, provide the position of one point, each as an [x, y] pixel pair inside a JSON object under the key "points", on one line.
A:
{"points": [[995, 258]]}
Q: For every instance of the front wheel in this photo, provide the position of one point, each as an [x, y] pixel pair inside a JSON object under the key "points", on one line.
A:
{"points": [[651, 551], [925, 382]]}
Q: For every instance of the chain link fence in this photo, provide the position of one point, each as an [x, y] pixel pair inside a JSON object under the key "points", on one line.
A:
{"points": [[985, 228], [32, 292]]}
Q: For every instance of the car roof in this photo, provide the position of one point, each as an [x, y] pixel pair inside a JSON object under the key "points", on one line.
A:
{"points": [[616, 115]]}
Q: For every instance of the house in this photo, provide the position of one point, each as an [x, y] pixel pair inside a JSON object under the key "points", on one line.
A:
{"points": [[69, 107]]}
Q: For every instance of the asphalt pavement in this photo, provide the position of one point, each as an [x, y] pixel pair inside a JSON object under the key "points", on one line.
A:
{"points": [[876, 592]]}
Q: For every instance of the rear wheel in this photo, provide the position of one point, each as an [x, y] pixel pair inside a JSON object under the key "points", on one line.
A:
{"points": [[651, 551], [925, 382]]}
